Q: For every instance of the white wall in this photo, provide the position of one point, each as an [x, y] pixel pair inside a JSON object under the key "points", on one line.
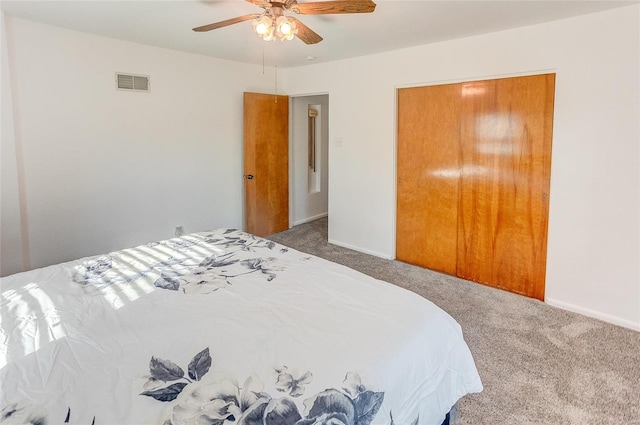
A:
{"points": [[309, 205], [593, 263], [12, 250], [106, 169]]}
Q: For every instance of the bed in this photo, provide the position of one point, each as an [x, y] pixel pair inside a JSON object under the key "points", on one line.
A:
{"points": [[224, 328]]}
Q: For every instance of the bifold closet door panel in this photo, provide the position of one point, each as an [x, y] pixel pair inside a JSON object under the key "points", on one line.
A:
{"points": [[428, 171], [506, 130]]}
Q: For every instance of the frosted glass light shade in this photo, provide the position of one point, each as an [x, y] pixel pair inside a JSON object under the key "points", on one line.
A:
{"points": [[285, 29], [262, 25], [267, 29]]}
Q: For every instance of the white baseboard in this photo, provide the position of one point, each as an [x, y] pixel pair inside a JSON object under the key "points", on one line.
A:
{"points": [[595, 314], [308, 219], [356, 248]]}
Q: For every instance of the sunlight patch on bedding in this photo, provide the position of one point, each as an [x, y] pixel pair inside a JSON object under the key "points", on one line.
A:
{"points": [[4, 348], [151, 253], [208, 251], [136, 262], [145, 286], [130, 292], [118, 294], [52, 318], [30, 320], [162, 249], [112, 298]]}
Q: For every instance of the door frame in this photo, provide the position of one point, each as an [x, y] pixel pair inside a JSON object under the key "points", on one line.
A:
{"points": [[291, 150]]}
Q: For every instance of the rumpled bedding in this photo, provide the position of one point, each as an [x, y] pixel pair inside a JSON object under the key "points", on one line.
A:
{"points": [[224, 328]]}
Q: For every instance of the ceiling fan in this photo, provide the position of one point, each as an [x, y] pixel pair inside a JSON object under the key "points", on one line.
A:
{"points": [[273, 21]]}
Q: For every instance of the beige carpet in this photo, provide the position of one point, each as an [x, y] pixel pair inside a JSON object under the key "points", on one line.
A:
{"points": [[538, 364]]}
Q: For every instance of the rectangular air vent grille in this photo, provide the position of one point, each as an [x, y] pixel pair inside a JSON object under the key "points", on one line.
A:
{"points": [[132, 82]]}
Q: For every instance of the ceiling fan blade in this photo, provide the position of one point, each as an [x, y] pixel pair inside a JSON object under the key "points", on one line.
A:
{"points": [[261, 3], [334, 7], [305, 33], [226, 22]]}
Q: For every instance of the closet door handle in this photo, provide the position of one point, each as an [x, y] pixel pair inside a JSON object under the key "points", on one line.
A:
{"points": [[249, 177]]}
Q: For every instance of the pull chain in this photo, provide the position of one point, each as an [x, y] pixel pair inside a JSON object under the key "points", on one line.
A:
{"points": [[276, 82]]}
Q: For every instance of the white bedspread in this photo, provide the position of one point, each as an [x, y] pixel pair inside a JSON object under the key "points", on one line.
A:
{"points": [[224, 328]]}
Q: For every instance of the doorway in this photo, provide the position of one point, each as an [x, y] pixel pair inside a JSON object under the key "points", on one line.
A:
{"points": [[309, 159]]}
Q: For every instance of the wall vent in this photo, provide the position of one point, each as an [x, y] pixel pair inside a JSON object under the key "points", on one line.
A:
{"points": [[132, 82]]}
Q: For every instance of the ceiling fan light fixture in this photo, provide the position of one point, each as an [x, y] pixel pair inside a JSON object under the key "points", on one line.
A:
{"points": [[286, 28], [263, 26], [272, 22], [269, 36]]}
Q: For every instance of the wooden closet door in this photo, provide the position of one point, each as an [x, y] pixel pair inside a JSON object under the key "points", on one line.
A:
{"points": [[428, 172], [505, 140]]}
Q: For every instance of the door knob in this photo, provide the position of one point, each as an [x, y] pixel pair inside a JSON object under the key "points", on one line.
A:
{"points": [[249, 176]]}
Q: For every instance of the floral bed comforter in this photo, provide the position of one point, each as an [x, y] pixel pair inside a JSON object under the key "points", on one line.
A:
{"points": [[224, 328]]}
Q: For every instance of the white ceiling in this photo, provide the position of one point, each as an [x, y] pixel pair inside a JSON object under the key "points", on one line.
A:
{"points": [[394, 24]]}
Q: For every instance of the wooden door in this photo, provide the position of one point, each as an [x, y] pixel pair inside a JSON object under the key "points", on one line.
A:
{"points": [[266, 163], [505, 139], [473, 180], [428, 171]]}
